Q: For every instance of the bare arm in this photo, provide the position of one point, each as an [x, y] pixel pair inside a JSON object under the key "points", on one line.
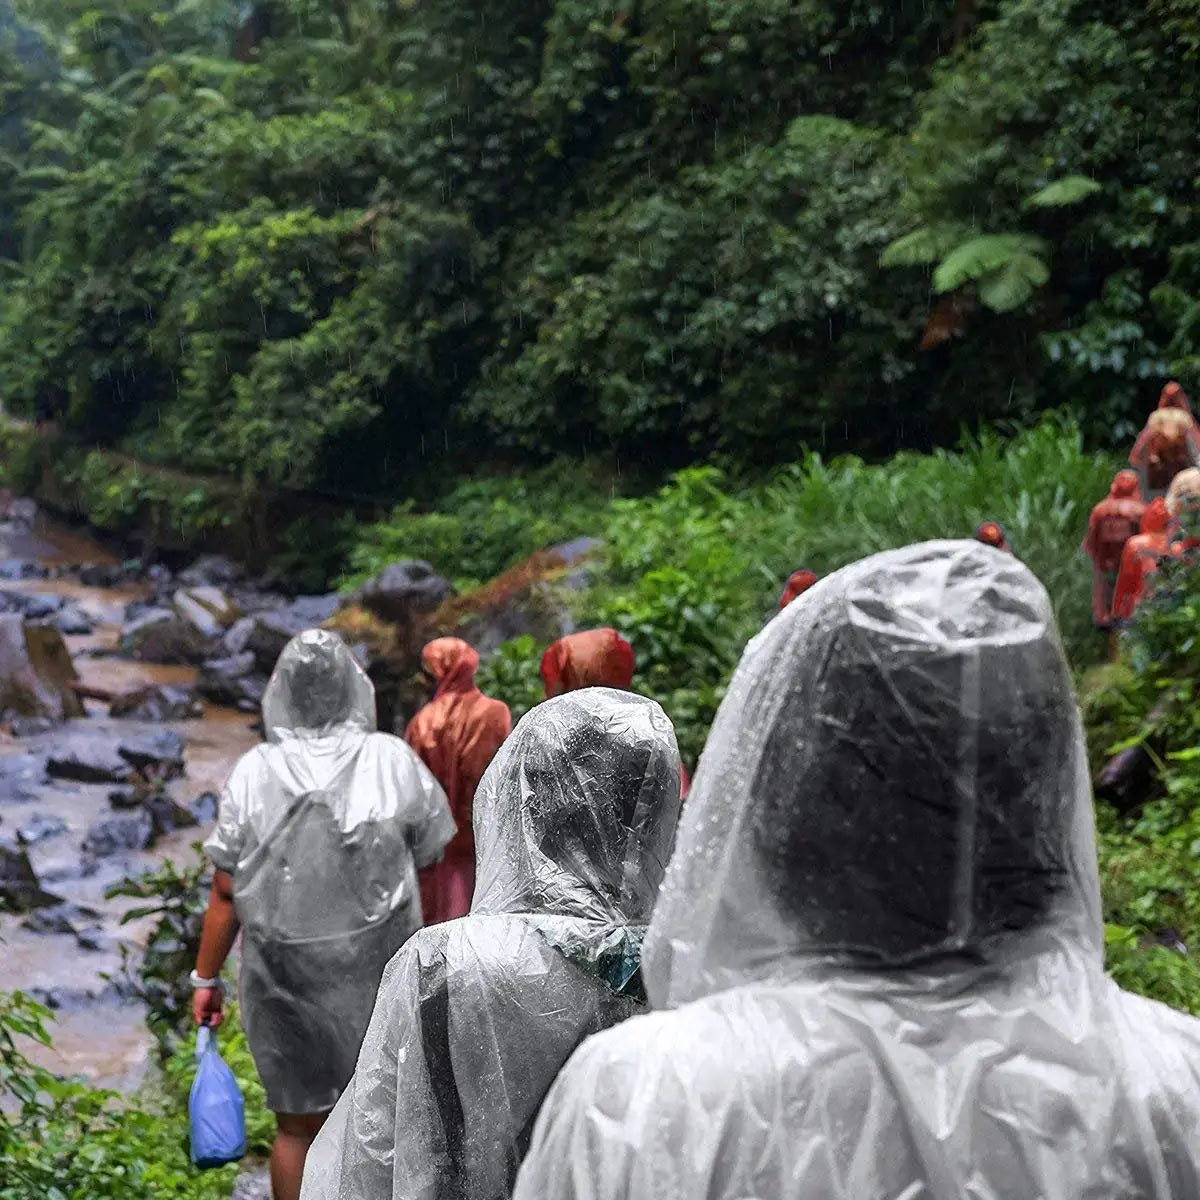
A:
{"points": [[216, 940]]}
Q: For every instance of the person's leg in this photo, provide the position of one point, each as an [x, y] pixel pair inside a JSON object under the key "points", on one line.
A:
{"points": [[293, 1136]]}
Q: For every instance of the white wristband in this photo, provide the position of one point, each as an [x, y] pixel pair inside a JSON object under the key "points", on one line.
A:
{"points": [[197, 982]]}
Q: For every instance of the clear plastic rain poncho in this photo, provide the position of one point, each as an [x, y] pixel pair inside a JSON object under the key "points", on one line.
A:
{"points": [[322, 830], [882, 923], [574, 822]]}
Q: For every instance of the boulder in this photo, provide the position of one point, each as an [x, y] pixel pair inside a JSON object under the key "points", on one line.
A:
{"points": [[161, 635], [39, 827], [125, 798], [71, 620], [157, 703], [61, 918], [264, 634], [22, 513], [403, 591], [160, 751], [168, 815], [22, 568], [87, 760], [26, 727], [204, 808], [103, 575], [33, 606], [21, 778], [36, 671], [20, 890], [120, 834], [199, 614], [211, 569], [232, 681]]}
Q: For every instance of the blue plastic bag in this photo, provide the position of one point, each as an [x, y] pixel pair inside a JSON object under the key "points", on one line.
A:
{"points": [[215, 1108]]}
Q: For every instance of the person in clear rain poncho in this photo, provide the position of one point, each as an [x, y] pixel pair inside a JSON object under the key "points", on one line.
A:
{"points": [[316, 847], [881, 932], [574, 822]]}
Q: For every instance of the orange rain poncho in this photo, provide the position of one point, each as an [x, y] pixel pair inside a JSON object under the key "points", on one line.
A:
{"points": [[1139, 560], [1169, 443], [990, 534], [595, 658], [798, 583], [457, 735], [1113, 522]]}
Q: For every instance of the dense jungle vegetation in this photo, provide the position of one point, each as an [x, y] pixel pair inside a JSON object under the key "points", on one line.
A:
{"points": [[648, 270]]}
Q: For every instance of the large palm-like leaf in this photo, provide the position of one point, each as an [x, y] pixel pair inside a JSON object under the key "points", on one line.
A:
{"points": [[1007, 268], [1063, 192]]}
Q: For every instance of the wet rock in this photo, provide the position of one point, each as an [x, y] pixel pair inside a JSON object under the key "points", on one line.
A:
{"points": [[103, 575], [204, 808], [125, 798], [161, 751], [211, 569], [39, 827], [119, 834], [157, 703], [22, 513], [60, 918], [213, 601], [27, 727], [264, 634], [36, 671], [403, 591], [20, 889], [87, 760], [22, 568], [21, 778], [33, 606], [187, 605], [253, 1185], [72, 621], [231, 681], [168, 815], [162, 636]]}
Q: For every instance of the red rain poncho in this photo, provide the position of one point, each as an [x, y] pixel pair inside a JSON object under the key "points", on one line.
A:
{"points": [[1139, 560], [798, 583], [457, 735], [1113, 522], [1169, 443], [595, 658], [990, 534]]}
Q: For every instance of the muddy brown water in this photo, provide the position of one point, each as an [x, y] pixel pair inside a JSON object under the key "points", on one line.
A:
{"points": [[97, 1035]]}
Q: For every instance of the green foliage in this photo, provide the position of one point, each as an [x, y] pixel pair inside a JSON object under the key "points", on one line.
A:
{"points": [[1006, 268], [1150, 862], [1063, 192], [483, 526], [513, 673], [61, 1140], [178, 899]]}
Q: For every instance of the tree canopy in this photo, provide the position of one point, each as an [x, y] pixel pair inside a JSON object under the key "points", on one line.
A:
{"points": [[327, 244]]}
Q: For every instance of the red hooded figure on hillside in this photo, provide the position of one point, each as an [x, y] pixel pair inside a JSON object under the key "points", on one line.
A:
{"points": [[456, 735], [1169, 443], [594, 658], [990, 534], [798, 583], [1139, 560], [1114, 521]]}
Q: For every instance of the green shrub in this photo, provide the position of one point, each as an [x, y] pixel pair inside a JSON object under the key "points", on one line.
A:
{"points": [[513, 674]]}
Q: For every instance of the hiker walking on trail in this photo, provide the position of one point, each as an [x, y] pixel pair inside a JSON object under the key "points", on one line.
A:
{"points": [[1116, 519], [574, 822], [316, 846], [594, 658], [457, 735], [798, 583], [878, 952], [1140, 559], [1169, 444]]}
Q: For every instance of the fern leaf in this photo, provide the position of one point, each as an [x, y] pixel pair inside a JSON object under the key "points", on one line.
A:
{"points": [[1013, 284], [1063, 192], [920, 248], [985, 255]]}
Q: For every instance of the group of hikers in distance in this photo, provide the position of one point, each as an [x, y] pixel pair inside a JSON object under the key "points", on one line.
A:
{"points": [[864, 960]]}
